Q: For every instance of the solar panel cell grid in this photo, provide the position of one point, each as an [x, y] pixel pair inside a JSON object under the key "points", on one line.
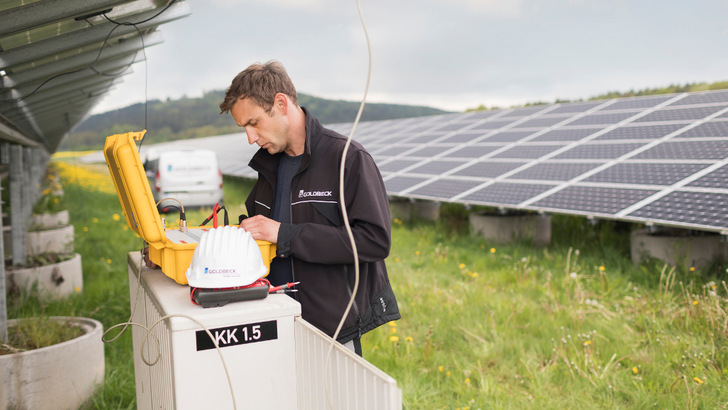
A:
{"points": [[508, 136], [635, 103], [698, 150], [444, 188], [541, 122], [566, 134], [527, 151], [704, 98], [598, 151], [707, 129], [679, 114], [506, 193], [488, 169], [697, 208], [575, 108], [425, 138], [431, 150], [602, 119], [400, 183], [607, 201], [464, 137], [641, 132], [646, 174], [397, 165], [554, 171], [715, 179], [473, 151], [492, 125], [394, 150], [453, 126], [435, 167], [523, 112]]}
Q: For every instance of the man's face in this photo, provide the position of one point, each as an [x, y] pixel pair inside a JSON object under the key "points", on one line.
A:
{"points": [[268, 131]]}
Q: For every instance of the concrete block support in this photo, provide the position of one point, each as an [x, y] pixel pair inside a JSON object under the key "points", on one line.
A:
{"points": [[509, 228], [677, 247], [408, 210]]}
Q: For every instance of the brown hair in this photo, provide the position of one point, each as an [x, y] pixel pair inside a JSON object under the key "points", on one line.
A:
{"points": [[261, 83]]}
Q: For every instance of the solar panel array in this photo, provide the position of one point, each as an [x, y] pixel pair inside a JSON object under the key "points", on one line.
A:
{"points": [[660, 160]]}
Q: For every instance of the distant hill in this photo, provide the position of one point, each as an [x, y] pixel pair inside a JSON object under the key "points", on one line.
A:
{"points": [[186, 118]]}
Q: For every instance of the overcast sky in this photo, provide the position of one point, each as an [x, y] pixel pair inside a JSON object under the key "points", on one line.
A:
{"points": [[448, 54]]}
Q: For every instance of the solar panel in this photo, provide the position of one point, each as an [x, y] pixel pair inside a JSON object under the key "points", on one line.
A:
{"points": [[658, 159], [603, 158]]}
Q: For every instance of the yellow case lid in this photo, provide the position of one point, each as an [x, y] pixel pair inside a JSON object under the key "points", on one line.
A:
{"points": [[132, 186]]}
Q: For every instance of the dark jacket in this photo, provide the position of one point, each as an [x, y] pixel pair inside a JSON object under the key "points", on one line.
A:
{"points": [[316, 239]]}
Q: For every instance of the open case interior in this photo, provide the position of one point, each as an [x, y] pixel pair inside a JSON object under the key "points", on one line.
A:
{"points": [[170, 248]]}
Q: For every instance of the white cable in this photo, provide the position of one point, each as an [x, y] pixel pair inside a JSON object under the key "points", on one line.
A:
{"points": [[159, 351], [156, 339], [345, 214]]}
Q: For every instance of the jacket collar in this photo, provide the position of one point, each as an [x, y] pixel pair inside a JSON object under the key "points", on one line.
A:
{"points": [[267, 164]]}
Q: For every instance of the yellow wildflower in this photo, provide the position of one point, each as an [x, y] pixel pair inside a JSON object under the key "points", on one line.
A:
{"points": [[417, 253], [394, 330], [692, 269], [115, 217], [492, 250], [467, 380], [392, 324], [602, 268], [587, 343], [697, 380], [695, 302], [461, 266], [440, 369], [394, 339], [85, 228], [408, 339], [635, 370], [95, 220], [108, 261]]}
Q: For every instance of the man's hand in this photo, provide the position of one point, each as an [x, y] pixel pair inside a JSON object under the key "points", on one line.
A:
{"points": [[147, 261], [261, 228]]}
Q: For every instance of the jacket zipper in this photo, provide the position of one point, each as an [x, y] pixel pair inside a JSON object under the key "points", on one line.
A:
{"points": [[290, 213]]}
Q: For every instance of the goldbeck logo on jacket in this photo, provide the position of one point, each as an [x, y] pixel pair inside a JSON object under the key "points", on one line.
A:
{"points": [[317, 194]]}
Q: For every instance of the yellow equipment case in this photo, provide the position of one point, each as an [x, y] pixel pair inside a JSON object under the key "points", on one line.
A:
{"points": [[171, 249]]}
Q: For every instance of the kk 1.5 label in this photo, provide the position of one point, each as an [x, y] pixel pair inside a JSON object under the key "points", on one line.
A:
{"points": [[237, 335]]}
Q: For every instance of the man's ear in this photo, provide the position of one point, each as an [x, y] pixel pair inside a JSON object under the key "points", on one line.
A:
{"points": [[281, 101]]}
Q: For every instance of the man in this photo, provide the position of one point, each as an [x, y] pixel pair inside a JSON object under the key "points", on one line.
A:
{"points": [[295, 204]]}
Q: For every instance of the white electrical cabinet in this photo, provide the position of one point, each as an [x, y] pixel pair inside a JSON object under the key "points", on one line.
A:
{"points": [[275, 359], [256, 339]]}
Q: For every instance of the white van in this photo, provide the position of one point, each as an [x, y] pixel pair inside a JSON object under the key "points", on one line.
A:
{"points": [[192, 177]]}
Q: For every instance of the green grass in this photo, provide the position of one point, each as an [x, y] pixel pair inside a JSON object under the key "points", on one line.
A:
{"points": [[571, 325]]}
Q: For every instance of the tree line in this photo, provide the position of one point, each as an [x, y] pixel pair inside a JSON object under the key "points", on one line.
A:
{"points": [[186, 118]]}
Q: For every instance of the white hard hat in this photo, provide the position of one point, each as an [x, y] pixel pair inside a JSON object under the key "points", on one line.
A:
{"points": [[225, 257]]}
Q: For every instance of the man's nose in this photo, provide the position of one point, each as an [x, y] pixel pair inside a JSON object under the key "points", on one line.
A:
{"points": [[252, 137]]}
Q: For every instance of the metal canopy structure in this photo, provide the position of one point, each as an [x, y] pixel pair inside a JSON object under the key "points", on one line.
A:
{"points": [[58, 58], [659, 160]]}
